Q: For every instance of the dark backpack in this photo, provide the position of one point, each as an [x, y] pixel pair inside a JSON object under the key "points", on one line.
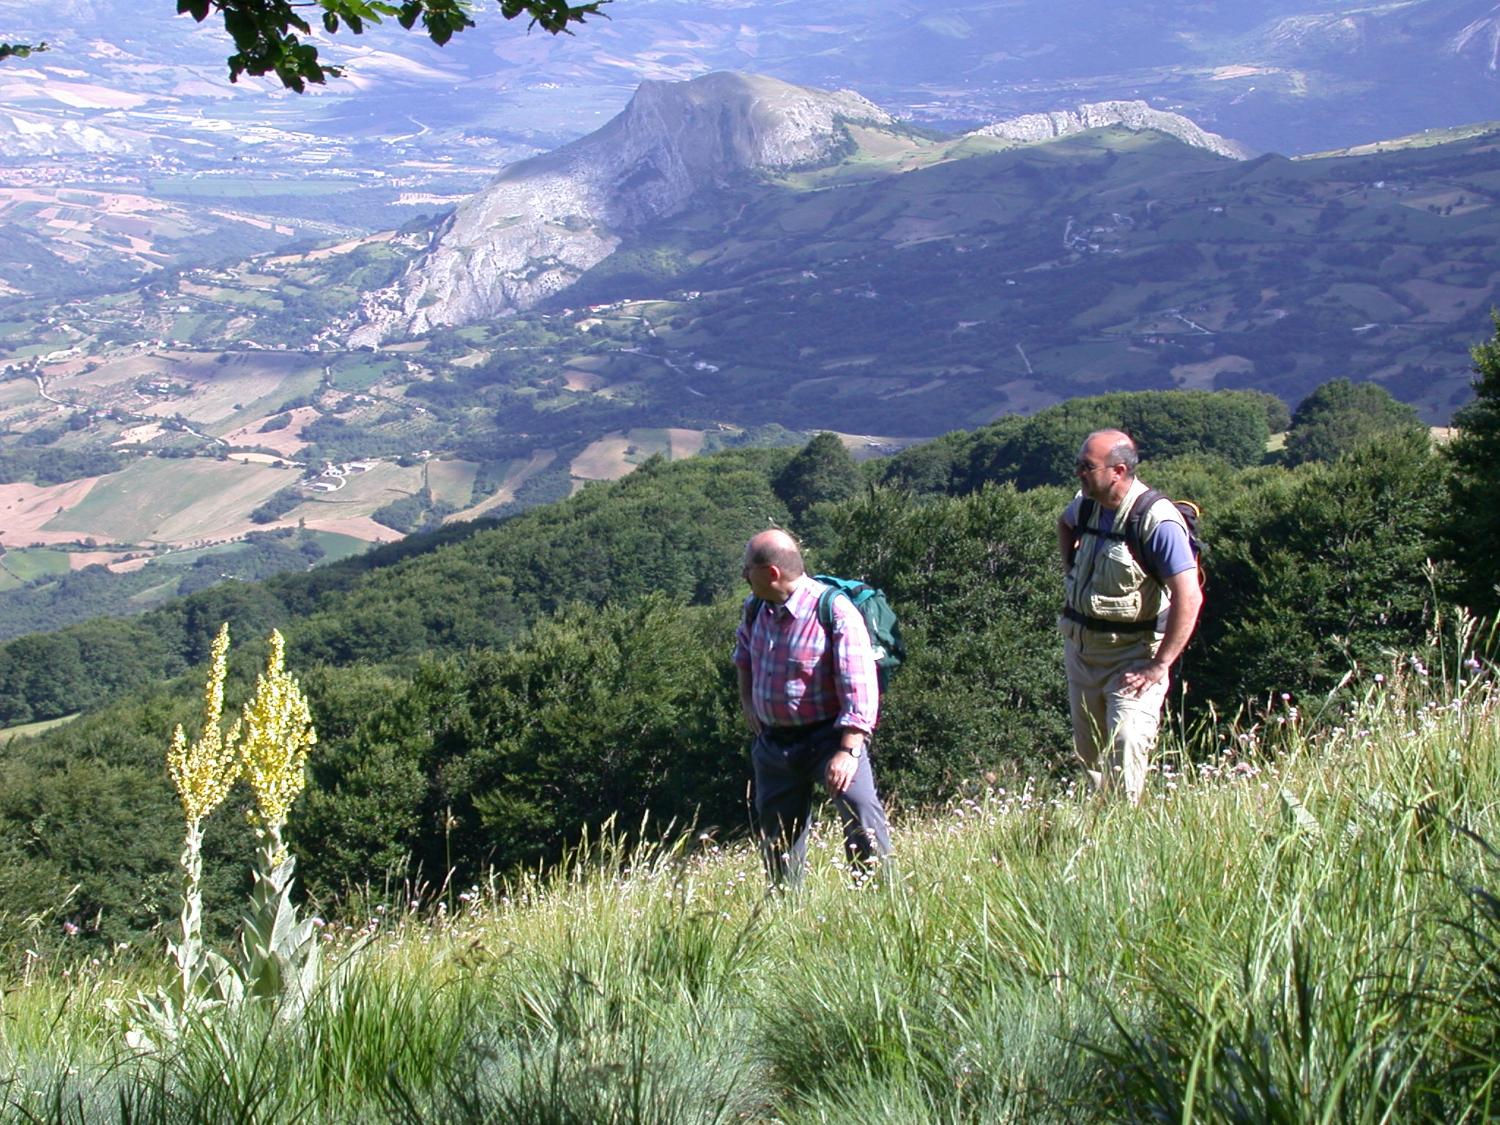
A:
{"points": [[880, 619], [1130, 533]]}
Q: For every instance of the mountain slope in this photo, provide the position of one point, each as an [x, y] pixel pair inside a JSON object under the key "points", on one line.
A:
{"points": [[545, 221]]}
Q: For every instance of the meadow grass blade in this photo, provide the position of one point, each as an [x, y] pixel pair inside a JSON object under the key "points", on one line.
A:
{"points": [[1299, 925]]}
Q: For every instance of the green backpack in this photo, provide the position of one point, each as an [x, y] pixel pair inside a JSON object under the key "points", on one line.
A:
{"points": [[880, 619]]}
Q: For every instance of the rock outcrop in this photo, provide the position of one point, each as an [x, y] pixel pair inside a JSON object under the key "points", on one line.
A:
{"points": [[544, 221], [1097, 115], [1480, 40], [33, 134]]}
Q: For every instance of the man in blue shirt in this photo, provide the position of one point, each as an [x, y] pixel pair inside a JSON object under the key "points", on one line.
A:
{"points": [[1125, 619]]}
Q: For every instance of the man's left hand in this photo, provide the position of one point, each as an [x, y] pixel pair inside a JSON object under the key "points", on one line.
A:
{"points": [[840, 773], [1136, 679]]}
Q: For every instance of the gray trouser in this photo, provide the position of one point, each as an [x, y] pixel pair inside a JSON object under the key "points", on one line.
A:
{"points": [[789, 768], [1113, 732]]}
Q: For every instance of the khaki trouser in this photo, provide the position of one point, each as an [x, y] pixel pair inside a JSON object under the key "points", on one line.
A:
{"points": [[1113, 733]]}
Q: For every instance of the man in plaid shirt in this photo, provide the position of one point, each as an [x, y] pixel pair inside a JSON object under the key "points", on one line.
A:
{"points": [[811, 697]]}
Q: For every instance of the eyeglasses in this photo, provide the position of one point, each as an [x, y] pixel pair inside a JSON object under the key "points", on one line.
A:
{"points": [[1083, 466], [748, 567]]}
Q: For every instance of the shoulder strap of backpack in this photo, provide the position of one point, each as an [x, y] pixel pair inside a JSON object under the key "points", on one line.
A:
{"points": [[825, 607], [1132, 531], [752, 607], [1085, 515]]}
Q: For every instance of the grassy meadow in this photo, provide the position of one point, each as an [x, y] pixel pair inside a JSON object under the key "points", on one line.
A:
{"points": [[18, 567], [1297, 925]]}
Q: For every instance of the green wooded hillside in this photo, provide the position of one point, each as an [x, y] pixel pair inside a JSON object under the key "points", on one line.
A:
{"points": [[483, 695]]}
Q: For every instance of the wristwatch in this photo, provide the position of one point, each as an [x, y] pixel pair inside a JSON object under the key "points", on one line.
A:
{"points": [[858, 749]]}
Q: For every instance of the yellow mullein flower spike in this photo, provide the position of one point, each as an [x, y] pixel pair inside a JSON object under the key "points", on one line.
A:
{"points": [[204, 771], [277, 736]]}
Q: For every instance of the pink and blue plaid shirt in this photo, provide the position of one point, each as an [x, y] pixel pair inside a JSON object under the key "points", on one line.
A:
{"points": [[792, 684]]}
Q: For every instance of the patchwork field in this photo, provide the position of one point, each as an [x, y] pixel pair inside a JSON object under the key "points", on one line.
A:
{"points": [[287, 441], [25, 509], [24, 566], [614, 455], [520, 471], [26, 729], [169, 501], [1202, 376], [221, 391], [337, 545], [361, 495], [451, 482]]}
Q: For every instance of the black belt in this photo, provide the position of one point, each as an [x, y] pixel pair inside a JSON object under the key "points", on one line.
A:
{"points": [[1100, 625], [792, 734]]}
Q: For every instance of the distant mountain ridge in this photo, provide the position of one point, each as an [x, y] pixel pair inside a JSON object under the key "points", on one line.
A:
{"points": [[545, 221], [1134, 115]]}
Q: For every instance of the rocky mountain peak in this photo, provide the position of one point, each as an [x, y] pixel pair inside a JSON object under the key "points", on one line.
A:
{"points": [[1135, 115], [544, 221]]}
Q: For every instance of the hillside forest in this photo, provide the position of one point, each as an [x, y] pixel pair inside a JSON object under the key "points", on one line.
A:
{"points": [[484, 694]]}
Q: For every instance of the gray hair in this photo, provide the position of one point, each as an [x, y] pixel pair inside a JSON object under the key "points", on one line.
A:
{"points": [[1123, 453]]}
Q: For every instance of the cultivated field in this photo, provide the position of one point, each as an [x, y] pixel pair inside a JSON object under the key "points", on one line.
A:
{"points": [[614, 455], [519, 473], [287, 441], [361, 495], [451, 482], [156, 500], [26, 508]]}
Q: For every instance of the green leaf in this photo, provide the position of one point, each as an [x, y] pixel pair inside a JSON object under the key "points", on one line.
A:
{"points": [[242, 28], [20, 50]]}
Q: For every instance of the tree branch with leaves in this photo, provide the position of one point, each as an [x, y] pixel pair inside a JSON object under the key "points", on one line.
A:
{"points": [[268, 34], [20, 50]]}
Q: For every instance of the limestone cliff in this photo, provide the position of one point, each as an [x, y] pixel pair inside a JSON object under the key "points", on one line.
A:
{"points": [[1480, 41], [32, 134], [1097, 115], [544, 221]]}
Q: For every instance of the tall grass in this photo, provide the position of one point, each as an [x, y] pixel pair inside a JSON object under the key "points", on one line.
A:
{"points": [[1302, 927]]}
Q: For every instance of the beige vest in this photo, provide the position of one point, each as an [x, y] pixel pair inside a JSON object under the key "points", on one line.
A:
{"points": [[1105, 581]]}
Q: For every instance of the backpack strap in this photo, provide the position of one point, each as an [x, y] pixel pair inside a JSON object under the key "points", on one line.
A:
{"points": [[752, 607], [825, 607], [1129, 533], [1085, 514], [1143, 504]]}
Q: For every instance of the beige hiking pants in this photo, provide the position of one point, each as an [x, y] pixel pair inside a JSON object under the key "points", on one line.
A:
{"points": [[1113, 733]]}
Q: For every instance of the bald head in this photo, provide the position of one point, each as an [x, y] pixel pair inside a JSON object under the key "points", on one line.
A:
{"points": [[1106, 466], [1111, 447], [775, 547]]}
